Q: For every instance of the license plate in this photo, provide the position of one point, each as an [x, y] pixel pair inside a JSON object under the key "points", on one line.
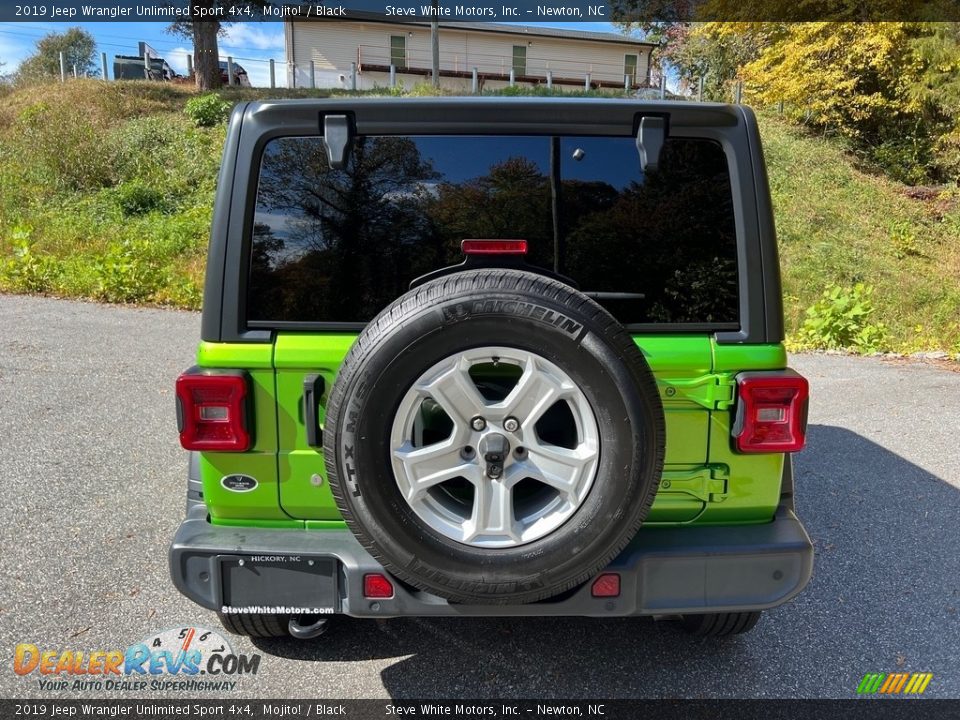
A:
{"points": [[278, 585]]}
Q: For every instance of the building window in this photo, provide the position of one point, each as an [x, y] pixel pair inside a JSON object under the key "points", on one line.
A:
{"points": [[520, 59], [398, 50], [630, 67]]}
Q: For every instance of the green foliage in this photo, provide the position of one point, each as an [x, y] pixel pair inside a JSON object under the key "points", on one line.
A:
{"points": [[184, 292], [425, 89], [906, 159], [128, 273], [208, 110], [935, 84], [397, 90], [517, 91], [904, 242], [891, 89], [116, 187], [839, 226], [61, 147], [79, 48], [167, 152], [27, 270], [138, 198], [841, 320], [697, 52]]}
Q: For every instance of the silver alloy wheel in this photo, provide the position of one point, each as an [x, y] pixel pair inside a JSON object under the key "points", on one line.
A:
{"points": [[451, 480]]}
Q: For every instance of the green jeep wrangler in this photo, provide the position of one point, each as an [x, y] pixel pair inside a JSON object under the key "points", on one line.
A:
{"points": [[482, 356]]}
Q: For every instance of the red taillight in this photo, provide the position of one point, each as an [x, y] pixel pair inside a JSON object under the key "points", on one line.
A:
{"points": [[494, 247], [211, 412], [606, 585], [771, 412], [377, 586]]}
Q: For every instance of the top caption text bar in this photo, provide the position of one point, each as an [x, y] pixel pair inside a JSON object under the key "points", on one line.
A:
{"points": [[520, 11]]}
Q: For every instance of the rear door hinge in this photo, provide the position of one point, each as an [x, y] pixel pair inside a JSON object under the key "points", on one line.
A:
{"points": [[711, 391], [707, 483]]}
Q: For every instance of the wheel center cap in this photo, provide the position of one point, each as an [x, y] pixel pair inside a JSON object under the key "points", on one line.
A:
{"points": [[494, 449]]}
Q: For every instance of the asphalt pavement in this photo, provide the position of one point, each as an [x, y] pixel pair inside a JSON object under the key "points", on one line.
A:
{"points": [[92, 488]]}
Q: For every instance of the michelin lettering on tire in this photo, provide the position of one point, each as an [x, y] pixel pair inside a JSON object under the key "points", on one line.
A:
{"points": [[347, 445], [456, 312]]}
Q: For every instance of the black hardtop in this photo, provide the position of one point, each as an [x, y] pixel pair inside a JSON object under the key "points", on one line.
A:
{"points": [[253, 124]]}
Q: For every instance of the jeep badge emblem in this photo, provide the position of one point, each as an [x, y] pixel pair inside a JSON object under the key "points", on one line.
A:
{"points": [[239, 483]]}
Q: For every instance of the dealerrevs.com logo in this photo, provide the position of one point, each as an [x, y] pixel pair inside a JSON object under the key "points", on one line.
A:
{"points": [[179, 659]]}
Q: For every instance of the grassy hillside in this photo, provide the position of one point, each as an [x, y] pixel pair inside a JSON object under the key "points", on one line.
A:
{"points": [[106, 191], [839, 225]]}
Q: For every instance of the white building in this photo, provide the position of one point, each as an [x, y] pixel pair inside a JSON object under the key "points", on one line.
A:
{"points": [[567, 59]]}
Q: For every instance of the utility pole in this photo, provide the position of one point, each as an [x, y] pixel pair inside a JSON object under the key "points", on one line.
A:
{"points": [[435, 42]]}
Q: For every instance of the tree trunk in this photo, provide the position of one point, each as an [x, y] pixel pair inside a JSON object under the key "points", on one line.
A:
{"points": [[206, 57]]}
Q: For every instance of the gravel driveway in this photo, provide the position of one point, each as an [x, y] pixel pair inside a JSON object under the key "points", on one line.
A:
{"points": [[92, 489]]}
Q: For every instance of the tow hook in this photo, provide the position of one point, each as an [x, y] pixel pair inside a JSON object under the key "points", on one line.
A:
{"points": [[307, 632], [494, 448]]}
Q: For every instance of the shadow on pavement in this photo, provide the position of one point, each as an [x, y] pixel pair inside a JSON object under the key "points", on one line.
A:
{"points": [[884, 597]]}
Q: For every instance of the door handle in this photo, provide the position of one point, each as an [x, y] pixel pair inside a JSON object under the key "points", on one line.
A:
{"points": [[313, 387]]}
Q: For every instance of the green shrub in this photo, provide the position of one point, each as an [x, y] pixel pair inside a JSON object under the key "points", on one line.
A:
{"points": [[397, 90], [142, 148], [905, 159], [947, 156], [904, 242], [840, 320], [166, 151], [127, 274], [181, 292], [138, 198], [208, 110], [67, 149], [27, 270], [424, 89]]}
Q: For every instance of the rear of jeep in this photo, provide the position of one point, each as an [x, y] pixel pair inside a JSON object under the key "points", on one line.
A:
{"points": [[491, 357]]}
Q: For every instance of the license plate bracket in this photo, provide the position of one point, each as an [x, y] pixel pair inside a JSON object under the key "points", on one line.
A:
{"points": [[279, 585]]}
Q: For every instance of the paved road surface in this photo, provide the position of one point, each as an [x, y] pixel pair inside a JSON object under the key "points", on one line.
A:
{"points": [[91, 489]]}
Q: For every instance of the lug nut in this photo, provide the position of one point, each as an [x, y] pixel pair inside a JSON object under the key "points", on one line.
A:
{"points": [[478, 423], [511, 424]]}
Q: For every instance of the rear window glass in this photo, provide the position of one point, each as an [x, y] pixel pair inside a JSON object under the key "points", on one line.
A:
{"points": [[340, 245]]}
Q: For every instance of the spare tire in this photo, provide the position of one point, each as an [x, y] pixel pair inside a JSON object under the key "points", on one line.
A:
{"points": [[494, 436]]}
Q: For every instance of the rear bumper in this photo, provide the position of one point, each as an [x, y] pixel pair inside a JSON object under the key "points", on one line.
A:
{"points": [[664, 571]]}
